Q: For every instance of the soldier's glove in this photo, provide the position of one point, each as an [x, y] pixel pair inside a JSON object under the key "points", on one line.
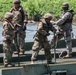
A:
{"points": [[47, 34], [24, 26], [7, 37], [53, 23], [58, 33]]}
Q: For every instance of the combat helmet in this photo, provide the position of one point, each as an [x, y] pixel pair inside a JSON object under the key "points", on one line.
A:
{"points": [[65, 5], [8, 15], [17, 2], [47, 15]]}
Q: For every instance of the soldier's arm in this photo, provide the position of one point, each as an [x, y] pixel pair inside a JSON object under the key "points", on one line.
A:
{"points": [[40, 30], [52, 22], [5, 27], [5, 30], [11, 10], [63, 19], [26, 16], [53, 29], [40, 26], [25, 19]]}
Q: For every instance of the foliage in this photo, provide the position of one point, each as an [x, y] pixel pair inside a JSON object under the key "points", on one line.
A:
{"points": [[37, 8], [4, 7], [40, 7]]}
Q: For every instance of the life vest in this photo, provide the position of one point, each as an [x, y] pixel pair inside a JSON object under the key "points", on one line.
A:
{"points": [[69, 20], [47, 26], [18, 12]]}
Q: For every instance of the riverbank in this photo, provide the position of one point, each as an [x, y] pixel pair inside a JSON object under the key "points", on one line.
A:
{"points": [[34, 22], [37, 8]]}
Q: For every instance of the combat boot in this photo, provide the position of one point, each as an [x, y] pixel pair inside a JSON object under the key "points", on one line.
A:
{"points": [[68, 56], [16, 52], [9, 65], [32, 62], [62, 54], [50, 62], [21, 52]]}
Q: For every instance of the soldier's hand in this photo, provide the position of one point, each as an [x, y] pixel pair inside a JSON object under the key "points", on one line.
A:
{"points": [[25, 23], [7, 37], [48, 34], [55, 30], [24, 26], [53, 23]]}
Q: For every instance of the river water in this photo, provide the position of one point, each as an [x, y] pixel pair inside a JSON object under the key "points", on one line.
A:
{"points": [[31, 30]]}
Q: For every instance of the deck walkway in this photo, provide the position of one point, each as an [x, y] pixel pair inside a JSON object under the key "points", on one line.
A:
{"points": [[40, 66], [41, 57]]}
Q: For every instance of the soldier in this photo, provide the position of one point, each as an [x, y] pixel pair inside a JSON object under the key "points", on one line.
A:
{"points": [[19, 21], [64, 30], [8, 36], [41, 40]]}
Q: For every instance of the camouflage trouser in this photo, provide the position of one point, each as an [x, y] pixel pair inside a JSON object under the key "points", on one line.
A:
{"points": [[67, 37], [20, 40], [7, 57], [36, 48]]}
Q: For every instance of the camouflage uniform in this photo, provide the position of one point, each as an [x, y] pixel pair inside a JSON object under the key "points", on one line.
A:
{"points": [[64, 29], [20, 17], [7, 35], [41, 40]]}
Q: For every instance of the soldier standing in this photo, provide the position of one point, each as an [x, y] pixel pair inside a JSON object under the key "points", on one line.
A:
{"points": [[19, 21], [8, 36], [41, 40], [64, 30]]}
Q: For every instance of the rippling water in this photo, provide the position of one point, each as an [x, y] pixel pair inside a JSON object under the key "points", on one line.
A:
{"points": [[31, 30]]}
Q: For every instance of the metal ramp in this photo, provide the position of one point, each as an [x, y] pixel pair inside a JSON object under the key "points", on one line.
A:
{"points": [[40, 67]]}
